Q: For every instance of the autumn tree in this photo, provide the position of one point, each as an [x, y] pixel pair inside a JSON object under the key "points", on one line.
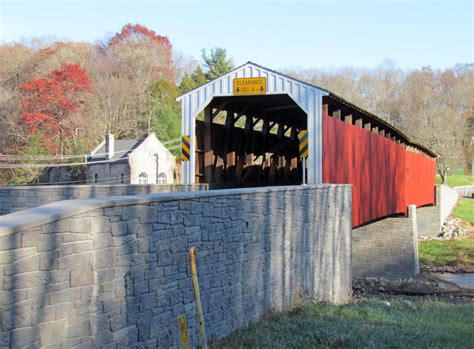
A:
{"points": [[146, 52], [52, 104], [122, 71]]}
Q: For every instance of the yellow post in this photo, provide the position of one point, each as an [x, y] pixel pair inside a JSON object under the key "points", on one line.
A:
{"points": [[183, 329], [197, 298]]}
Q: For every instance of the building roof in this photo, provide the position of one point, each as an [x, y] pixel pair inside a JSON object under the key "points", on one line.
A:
{"points": [[122, 149]]}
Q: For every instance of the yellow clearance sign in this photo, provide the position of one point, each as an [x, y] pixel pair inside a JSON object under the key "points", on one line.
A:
{"points": [[250, 86]]}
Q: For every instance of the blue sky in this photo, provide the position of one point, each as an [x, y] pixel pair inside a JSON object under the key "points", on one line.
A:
{"points": [[277, 34]]}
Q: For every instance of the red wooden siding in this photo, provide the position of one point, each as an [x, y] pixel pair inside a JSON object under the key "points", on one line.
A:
{"points": [[421, 172], [385, 177]]}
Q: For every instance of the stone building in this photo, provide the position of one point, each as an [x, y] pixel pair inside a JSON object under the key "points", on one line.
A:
{"points": [[130, 161]]}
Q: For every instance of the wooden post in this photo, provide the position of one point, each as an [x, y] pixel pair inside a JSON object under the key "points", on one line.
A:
{"points": [[265, 133], [280, 158], [229, 156], [244, 148], [208, 153], [197, 298]]}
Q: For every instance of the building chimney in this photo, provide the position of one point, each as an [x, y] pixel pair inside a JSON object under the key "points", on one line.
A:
{"points": [[109, 146]]}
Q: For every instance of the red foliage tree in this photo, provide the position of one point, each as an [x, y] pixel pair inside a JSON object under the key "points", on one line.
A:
{"points": [[131, 30], [49, 103], [141, 38]]}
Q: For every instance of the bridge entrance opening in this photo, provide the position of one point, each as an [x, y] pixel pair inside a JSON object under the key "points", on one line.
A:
{"points": [[244, 141]]}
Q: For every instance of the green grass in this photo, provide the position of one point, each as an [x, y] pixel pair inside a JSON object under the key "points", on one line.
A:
{"points": [[456, 180], [452, 253], [465, 210], [363, 324]]}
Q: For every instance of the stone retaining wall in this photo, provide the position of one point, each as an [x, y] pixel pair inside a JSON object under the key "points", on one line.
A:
{"points": [[17, 198], [430, 219], [465, 190], [449, 198], [386, 248], [114, 272]]}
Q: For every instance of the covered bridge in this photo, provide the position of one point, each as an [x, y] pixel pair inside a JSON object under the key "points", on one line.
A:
{"points": [[244, 126]]}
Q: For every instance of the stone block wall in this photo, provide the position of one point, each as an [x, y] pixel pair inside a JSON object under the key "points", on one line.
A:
{"points": [[431, 218], [386, 248], [114, 273], [19, 198], [428, 221], [448, 199], [465, 190]]}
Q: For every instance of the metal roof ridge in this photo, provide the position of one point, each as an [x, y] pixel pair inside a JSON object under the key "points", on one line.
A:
{"points": [[258, 66]]}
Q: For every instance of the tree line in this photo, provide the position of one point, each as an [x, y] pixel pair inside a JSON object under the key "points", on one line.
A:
{"points": [[59, 98], [435, 107]]}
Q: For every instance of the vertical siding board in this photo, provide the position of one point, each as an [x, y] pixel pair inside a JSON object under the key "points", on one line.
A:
{"points": [[320, 145], [190, 131], [376, 168], [184, 124]]}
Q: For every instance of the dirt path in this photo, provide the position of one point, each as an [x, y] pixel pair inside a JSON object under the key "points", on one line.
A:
{"points": [[425, 285]]}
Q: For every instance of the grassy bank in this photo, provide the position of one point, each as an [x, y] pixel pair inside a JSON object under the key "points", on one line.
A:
{"points": [[451, 253], [366, 323], [465, 210], [457, 180]]}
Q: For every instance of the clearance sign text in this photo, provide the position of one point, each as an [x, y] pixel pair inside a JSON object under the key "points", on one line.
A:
{"points": [[250, 86]]}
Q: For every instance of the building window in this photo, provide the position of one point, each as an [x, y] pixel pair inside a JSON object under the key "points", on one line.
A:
{"points": [[143, 178], [96, 177], [162, 178], [122, 178]]}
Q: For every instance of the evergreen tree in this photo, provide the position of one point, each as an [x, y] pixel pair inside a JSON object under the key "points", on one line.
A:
{"points": [[165, 119], [193, 80], [34, 146], [217, 62]]}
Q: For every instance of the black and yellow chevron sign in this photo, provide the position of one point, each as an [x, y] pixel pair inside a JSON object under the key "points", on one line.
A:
{"points": [[185, 148], [303, 136]]}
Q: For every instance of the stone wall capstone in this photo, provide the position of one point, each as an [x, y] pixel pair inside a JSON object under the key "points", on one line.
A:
{"points": [[17, 198], [114, 272]]}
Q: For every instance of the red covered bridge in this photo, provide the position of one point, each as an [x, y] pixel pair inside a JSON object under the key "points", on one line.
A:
{"points": [[244, 130], [387, 174]]}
